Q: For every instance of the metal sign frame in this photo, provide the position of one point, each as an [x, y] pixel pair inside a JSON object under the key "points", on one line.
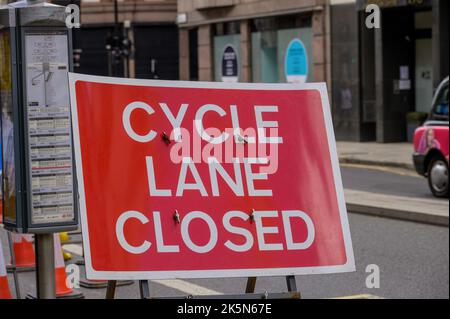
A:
{"points": [[21, 22], [144, 291]]}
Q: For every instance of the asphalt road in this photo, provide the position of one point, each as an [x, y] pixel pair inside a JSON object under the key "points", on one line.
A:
{"points": [[413, 258], [389, 181]]}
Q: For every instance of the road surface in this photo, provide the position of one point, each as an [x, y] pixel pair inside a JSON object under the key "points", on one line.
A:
{"points": [[413, 258]]}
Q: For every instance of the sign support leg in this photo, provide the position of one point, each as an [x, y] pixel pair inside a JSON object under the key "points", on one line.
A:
{"points": [[45, 266], [111, 289], [251, 283], [291, 284], [144, 289]]}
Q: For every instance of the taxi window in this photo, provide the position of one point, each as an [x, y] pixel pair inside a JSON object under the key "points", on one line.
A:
{"points": [[441, 107]]}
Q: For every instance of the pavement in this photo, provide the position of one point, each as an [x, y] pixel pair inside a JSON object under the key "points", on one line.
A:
{"points": [[430, 211], [391, 156]]}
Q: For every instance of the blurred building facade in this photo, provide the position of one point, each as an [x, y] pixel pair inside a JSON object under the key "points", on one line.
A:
{"points": [[260, 33], [381, 75], [376, 76], [149, 27]]}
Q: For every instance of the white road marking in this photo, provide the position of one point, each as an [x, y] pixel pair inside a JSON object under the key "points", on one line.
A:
{"points": [[74, 249], [177, 284], [193, 289], [362, 296], [187, 287]]}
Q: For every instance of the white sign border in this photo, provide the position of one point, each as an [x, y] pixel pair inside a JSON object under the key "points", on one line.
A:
{"points": [[91, 273]]}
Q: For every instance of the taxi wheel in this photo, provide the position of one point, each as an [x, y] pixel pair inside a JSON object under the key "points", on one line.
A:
{"points": [[438, 179]]}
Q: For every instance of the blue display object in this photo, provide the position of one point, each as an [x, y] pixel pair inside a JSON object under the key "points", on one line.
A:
{"points": [[296, 62]]}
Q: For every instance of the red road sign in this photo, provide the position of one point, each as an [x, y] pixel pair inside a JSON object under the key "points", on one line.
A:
{"points": [[195, 180]]}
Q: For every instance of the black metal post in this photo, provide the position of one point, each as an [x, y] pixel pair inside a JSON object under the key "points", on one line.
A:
{"points": [[111, 289], [144, 289], [115, 41], [291, 284], [251, 284]]}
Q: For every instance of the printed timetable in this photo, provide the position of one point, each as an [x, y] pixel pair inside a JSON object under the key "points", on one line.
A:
{"points": [[50, 162]]}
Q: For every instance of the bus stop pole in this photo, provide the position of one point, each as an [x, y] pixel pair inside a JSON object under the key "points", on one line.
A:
{"points": [[45, 266]]}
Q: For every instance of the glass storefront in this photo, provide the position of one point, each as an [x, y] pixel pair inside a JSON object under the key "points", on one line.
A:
{"points": [[227, 50], [221, 45], [424, 61], [282, 49]]}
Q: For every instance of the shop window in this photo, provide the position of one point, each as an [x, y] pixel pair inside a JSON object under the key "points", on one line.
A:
{"points": [[282, 22], [282, 49], [227, 58], [423, 69], [227, 28], [227, 52]]}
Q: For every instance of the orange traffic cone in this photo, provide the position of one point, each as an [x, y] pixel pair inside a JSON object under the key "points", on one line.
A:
{"points": [[25, 258], [4, 287], [62, 290], [60, 270]]}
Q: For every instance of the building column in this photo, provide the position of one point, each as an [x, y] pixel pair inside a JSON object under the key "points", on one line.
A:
{"points": [[205, 53], [246, 51], [183, 40], [379, 86], [327, 39], [318, 46], [440, 41]]}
